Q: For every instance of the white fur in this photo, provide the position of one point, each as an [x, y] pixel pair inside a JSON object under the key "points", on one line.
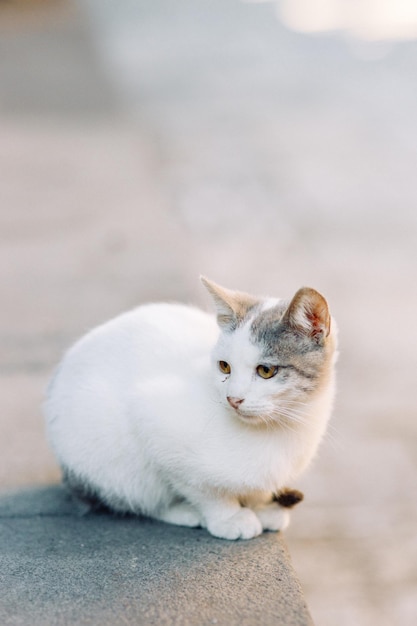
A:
{"points": [[139, 410]]}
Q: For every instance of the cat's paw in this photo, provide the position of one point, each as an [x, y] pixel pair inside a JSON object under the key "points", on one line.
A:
{"points": [[273, 517], [181, 514], [242, 525]]}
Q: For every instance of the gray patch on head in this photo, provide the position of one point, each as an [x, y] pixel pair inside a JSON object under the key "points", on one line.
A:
{"points": [[240, 317], [281, 345], [266, 325]]}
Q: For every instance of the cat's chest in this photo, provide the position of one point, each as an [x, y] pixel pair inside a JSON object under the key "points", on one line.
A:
{"points": [[238, 458]]}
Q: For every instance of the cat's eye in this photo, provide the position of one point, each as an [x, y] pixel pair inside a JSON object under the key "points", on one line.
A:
{"points": [[266, 371], [224, 367]]}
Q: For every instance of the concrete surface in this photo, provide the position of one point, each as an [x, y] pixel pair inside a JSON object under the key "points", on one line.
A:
{"points": [[59, 568], [226, 145]]}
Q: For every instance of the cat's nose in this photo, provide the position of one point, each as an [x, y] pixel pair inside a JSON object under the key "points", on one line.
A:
{"points": [[234, 402]]}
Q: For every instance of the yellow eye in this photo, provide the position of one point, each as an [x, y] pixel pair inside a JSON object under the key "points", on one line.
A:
{"points": [[224, 367], [266, 371]]}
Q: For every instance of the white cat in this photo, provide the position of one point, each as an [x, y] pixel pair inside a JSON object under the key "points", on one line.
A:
{"points": [[158, 413]]}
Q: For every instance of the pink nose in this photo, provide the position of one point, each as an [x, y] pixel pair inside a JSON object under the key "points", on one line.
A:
{"points": [[234, 402]]}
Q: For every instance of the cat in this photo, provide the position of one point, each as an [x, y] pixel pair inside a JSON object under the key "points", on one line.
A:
{"points": [[197, 419]]}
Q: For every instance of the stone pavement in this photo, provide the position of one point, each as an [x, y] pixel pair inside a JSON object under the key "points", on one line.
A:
{"points": [[59, 568], [145, 143]]}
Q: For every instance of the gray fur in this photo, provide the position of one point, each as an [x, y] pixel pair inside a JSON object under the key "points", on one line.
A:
{"points": [[84, 493], [300, 356]]}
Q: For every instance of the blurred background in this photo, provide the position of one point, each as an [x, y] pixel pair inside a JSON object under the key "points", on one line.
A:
{"points": [[268, 145]]}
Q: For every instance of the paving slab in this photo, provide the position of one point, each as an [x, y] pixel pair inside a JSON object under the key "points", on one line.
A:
{"points": [[61, 568]]}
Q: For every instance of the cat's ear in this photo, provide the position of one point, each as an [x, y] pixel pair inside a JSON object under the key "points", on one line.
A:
{"points": [[309, 314], [231, 306]]}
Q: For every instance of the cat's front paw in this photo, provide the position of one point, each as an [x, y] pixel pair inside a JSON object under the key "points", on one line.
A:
{"points": [[242, 525], [181, 514], [273, 517]]}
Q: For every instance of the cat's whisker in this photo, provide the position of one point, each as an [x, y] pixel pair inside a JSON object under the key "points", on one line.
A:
{"points": [[295, 405], [292, 412], [286, 425], [298, 402], [332, 435], [290, 409], [290, 415], [268, 421]]}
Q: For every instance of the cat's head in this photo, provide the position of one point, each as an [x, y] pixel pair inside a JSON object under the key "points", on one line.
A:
{"points": [[273, 357]]}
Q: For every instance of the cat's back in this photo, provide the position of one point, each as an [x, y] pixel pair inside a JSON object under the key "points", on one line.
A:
{"points": [[160, 327], [114, 356]]}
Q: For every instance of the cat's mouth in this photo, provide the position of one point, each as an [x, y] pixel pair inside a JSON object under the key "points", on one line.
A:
{"points": [[253, 416], [248, 417]]}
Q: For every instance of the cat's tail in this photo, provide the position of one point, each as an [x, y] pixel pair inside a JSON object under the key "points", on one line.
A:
{"points": [[288, 498]]}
